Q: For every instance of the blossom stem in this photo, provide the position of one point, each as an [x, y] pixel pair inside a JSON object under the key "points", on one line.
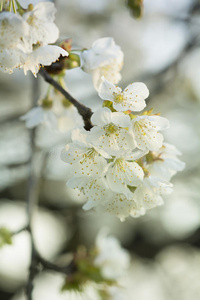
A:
{"points": [[83, 110], [10, 5], [18, 5], [13, 5], [1, 5]]}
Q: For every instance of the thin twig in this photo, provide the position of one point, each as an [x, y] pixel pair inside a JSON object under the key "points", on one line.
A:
{"points": [[67, 270], [31, 199], [83, 110]]}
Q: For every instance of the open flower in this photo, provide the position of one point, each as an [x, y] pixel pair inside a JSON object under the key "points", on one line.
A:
{"points": [[111, 131], [124, 172], [42, 56], [148, 194], [12, 48], [145, 129], [41, 22], [84, 158], [104, 58], [165, 162], [24, 39], [95, 189], [122, 207], [132, 98]]}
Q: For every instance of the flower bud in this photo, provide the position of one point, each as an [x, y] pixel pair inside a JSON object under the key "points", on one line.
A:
{"points": [[47, 103], [136, 7]]}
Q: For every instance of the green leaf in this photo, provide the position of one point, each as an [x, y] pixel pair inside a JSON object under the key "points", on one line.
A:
{"points": [[5, 237]]}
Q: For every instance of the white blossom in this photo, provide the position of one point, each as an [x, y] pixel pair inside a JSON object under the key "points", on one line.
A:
{"points": [[122, 173], [104, 58], [24, 39], [39, 115], [122, 207], [165, 162], [12, 48], [111, 257], [95, 189], [45, 55], [148, 194], [111, 131], [84, 158], [132, 98], [145, 129], [41, 22]]}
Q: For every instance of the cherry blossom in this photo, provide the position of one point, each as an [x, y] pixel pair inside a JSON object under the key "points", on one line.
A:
{"points": [[122, 173], [165, 162], [132, 98], [12, 48], [104, 58], [41, 21], [44, 55], [145, 129], [84, 158], [111, 131], [148, 194], [24, 38]]}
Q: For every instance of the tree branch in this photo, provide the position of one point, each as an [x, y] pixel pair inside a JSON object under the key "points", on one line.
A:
{"points": [[83, 110]]}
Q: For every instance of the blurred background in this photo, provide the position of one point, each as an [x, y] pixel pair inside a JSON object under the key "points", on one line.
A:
{"points": [[162, 50]]}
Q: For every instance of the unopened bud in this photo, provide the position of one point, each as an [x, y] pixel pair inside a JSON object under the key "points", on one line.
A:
{"points": [[30, 7], [66, 44], [136, 7], [47, 103]]}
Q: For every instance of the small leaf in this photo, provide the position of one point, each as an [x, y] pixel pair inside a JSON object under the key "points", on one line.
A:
{"points": [[5, 237]]}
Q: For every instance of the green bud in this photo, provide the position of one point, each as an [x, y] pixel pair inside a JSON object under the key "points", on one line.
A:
{"points": [[136, 7], [66, 103], [47, 103], [30, 7]]}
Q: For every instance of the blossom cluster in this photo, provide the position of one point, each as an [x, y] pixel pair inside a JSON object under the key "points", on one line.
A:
{"points": [[122, 165], [25, 37]]}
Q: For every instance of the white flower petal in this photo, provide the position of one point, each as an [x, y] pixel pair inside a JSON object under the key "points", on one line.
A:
{"points": [[101, 117], [107, 90], [136, 89], [122, 174], [40, 20], [120, 206], [45, 55]]}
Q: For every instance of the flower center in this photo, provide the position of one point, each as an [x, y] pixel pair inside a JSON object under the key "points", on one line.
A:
{"points": [[141, 126], [110, 129], [90, 153], [119, 163], [119, 98]]}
